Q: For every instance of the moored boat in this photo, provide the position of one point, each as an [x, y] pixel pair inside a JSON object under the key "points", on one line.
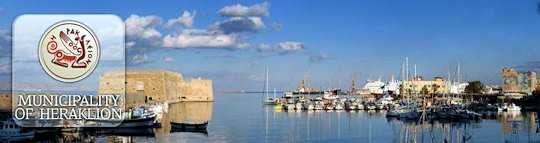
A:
{"points": [[189, 126], [12, 132]]}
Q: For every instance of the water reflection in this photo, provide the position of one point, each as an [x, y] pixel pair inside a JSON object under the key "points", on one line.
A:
{"points": [[243, 118], [373, 126], [195, 113], [191, 113], [184, 112]]}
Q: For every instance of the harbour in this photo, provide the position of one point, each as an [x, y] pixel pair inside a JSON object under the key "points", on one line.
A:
{"points": [[254, 122], [270, 72]]}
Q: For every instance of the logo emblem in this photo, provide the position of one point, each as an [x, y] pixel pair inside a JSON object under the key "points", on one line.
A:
{"points": [[69, 51]]}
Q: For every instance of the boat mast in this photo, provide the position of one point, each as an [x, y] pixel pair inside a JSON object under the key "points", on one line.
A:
{"points": [[407, 78], [407, 68], [266, 83], [274, 92]]}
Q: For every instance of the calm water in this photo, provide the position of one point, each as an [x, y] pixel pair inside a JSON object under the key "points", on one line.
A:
{"points": [[242, 118]]}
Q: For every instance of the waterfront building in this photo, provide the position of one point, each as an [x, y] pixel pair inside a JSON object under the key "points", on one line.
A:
{"points": [[458, 87], [155, 86], [517, 84], [493, 90], [436, 86]]}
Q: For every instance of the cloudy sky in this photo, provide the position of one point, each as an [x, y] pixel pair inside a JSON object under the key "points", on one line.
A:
{"points": [[231, 42]]}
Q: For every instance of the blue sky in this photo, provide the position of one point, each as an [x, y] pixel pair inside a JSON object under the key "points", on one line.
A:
{"points": [[332, 41]]}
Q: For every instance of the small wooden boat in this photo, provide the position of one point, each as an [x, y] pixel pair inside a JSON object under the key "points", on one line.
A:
{"points": [[189, 126]]}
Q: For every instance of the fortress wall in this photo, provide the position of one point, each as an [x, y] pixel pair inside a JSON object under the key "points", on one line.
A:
{"points": [[149, 86], [196, 90]]}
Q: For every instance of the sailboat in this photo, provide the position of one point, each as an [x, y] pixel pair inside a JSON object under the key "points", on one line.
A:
{"points": [[268, 100]]}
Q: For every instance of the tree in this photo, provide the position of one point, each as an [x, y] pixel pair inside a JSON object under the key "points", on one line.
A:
{"points": [[474, 87]]}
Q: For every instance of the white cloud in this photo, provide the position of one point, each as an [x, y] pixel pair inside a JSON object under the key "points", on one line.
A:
{"points": [[169, 59], [276, 26], [139, 59], [283, 47], [263, 47], [142, 35], [5, 69], [290, 46], [186, 20], [5, 40], [201, 38], [143, 26], [5, 35], [239, 24], [130, 44], [319, 57], [257, 10]]}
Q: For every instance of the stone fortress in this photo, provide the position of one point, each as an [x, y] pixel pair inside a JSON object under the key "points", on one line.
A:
{"points": [[154, 86]]}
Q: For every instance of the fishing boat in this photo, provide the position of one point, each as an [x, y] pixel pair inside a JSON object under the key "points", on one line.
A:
{"points": [[147, 121], [12, 132], [189, 126], [138, 117]]}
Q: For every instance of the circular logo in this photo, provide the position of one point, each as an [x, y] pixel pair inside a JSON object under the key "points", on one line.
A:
{"points": [[68, 51]]}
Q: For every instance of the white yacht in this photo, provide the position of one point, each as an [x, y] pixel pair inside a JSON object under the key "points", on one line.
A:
{"points": [[299, 106]]}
